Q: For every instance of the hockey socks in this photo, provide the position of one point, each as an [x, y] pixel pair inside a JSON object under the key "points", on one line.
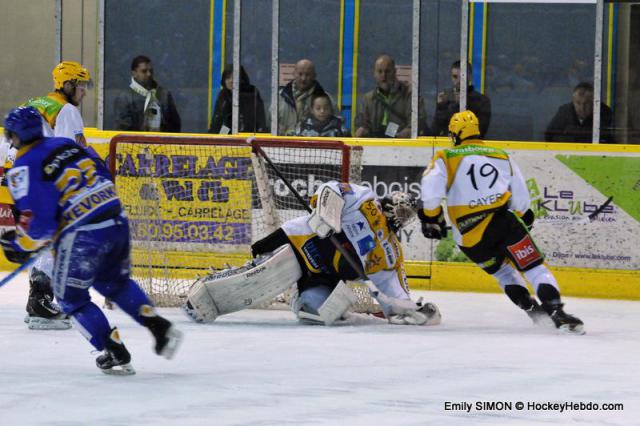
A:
{"points": [[92, 324], [129, 297]]}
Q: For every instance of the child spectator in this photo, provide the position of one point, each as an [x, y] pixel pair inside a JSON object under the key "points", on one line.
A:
{"points": [[321, 120]]}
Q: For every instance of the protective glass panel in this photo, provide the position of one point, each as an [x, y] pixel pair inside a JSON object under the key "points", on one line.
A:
{"points": [[309, 30], [439, 49], [220, 57], [385, 28], [175, 36], [621, 72], [535, 57], [255, 58]]}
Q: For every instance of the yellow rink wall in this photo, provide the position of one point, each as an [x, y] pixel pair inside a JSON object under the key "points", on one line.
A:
{"points": [[454, 276]]}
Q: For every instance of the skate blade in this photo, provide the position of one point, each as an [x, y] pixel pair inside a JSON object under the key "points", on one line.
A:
{"points": [[578, 329], [119, 370], [36, 323], [174, 337]]}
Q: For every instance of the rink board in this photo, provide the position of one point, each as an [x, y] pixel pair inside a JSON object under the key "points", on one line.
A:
{"points": [[566, 181]]}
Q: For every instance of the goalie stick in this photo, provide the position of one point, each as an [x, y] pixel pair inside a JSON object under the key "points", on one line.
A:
{"points": [[400, 306]]}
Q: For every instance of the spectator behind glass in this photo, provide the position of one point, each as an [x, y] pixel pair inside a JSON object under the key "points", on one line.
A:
{"points": [[145, 105], [449, 104], [386, 110], [295, 98], [251, 117], [574, 121], [321, 120]]}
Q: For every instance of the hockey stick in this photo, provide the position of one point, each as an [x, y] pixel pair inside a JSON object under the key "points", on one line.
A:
{"points": [[401, 305], [18, 270]]}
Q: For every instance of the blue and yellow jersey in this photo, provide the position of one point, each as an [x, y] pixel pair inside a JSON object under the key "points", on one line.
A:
{"points": [[58, 185]]}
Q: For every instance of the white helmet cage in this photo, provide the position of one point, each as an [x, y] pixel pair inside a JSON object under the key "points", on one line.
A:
{"points": [[399, 208]]}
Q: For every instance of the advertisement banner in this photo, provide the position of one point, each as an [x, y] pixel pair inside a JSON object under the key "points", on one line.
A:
{"points": [[564, 186], [188, 198]]}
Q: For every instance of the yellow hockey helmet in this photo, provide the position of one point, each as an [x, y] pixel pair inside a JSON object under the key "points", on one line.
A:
{"points": [[462, 126], [69, 71]]}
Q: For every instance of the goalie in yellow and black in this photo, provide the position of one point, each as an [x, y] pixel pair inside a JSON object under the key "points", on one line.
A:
{"points": [[301, 252], [488, 205]]}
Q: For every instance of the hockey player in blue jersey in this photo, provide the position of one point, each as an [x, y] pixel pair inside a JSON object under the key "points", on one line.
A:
{"points": [[65, 197]]}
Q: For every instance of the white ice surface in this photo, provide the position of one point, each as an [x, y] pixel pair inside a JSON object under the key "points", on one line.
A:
{"points": [[263, 368]]}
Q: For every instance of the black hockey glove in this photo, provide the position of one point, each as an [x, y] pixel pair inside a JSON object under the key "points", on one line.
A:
{"points": [[11, 253], [528, 217], [433, 227]]}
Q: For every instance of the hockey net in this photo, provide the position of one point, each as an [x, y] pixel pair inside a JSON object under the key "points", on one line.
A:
{"points": [[197, 204]]}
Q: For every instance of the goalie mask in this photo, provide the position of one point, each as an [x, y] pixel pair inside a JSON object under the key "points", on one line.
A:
{"points": [[399, 208]]}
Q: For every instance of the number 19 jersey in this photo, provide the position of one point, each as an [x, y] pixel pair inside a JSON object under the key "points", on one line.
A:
{"points": [[476, 180]]}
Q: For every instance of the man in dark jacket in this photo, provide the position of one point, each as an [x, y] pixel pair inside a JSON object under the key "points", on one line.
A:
{"points": [[574, 121], [146, 106], [449, 104]]}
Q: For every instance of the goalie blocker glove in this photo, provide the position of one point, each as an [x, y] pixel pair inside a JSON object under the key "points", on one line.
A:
{"points": [[13, 254], [433, 227]]}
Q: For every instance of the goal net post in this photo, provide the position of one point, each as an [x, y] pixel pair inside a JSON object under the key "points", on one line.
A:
{"points": [[196, 203]]}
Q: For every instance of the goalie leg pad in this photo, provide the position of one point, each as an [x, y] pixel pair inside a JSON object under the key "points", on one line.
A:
{"points": [[241, 288], [337, 304], [317, 306], [200, 306]]}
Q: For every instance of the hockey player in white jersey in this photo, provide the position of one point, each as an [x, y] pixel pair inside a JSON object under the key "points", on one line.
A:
{"points": [[489, 207], [60, 118]]}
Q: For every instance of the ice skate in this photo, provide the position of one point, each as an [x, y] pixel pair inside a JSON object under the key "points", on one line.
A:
{"points": [[565, 322], [44, 314], [168, 338], [116, 359], [539, 316]]}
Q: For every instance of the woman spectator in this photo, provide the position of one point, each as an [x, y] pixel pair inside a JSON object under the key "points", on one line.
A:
{"points": [[251, 112]]}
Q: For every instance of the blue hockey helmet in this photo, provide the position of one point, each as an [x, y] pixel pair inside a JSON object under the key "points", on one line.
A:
{"points": [[25, 122]]}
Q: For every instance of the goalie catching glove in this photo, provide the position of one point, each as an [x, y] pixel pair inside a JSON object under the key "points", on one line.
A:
{"points": [[433, 227], [11, 252]]}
